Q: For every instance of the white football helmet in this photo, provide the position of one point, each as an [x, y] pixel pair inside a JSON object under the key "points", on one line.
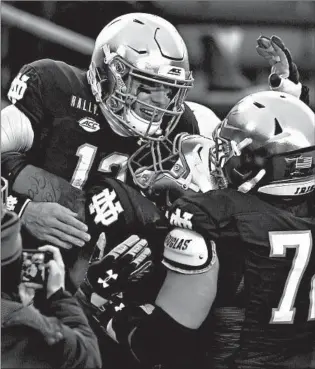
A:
{"points": [[140, 52]]}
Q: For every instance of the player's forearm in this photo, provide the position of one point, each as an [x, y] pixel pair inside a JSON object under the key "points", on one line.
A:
{"points": [[42, 186], [188, 298]]}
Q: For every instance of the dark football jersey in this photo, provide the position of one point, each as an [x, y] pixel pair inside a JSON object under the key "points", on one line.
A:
{"points": [[264, 313], [71, 136]]}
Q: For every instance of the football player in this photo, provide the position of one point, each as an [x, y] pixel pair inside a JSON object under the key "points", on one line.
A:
{"points": [[65, 124], [152, 312], [262, 220], [256, 214], [121, 90], [241, 224]]}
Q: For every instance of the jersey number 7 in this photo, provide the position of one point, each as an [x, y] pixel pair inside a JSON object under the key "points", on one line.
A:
{"points": [[302, 242]]}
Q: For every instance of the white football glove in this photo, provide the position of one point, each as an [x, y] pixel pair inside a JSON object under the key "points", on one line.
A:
{"points": [[284, 76]]}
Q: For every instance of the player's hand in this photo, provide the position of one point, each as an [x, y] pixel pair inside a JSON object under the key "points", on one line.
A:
{"points": [[53, 223], [284, 76], [124, 264], [56, 270]]}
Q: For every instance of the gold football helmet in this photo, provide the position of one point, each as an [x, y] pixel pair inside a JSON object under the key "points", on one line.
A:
{"points": [[140, 53], [266, 143]]}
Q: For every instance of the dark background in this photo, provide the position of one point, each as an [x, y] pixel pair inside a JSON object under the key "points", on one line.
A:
{"points": [[220, 36]]}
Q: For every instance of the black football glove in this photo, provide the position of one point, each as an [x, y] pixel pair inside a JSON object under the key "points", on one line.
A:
{"points": [[284, 76], [126, 263]]}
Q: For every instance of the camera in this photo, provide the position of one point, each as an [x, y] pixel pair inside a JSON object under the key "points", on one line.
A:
{"points": [[33, 266]]}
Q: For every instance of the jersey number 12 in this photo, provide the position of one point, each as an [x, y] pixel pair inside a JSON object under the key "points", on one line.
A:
{"points": [[86, 154]]}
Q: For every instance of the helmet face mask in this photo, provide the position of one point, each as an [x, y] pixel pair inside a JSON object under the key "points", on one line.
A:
{"points": [[4, 195], [181, 166], [140, 83], [266, 143]]}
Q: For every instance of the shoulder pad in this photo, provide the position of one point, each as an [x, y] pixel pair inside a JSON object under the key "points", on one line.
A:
{"points": [[187, 252]]}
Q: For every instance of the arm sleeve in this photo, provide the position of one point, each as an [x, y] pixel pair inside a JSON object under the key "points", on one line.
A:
{"points": [[26, 93], [27, 181], [42, 186], [16, 130], [153, 336], [79, 347]]}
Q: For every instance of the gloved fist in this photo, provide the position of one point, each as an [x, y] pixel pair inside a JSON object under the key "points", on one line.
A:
{"points": [[284, 76], [126, 263]]}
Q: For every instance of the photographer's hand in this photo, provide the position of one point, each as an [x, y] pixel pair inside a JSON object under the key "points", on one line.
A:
{"points": [[56, 270], [27, 292]]}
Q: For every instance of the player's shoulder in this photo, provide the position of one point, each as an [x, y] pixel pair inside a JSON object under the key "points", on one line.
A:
{"points": [[55, 72], [218, 206]]}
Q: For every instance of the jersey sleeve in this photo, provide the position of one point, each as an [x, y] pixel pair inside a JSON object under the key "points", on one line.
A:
{"points": [[188, 215], [118, 210], [209, 214], [26, 93]]}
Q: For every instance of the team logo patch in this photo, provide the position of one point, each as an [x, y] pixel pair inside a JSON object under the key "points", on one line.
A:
{"points": [[11, 203], [180, 220], [104, 207], [89, 124], [18, 88]]}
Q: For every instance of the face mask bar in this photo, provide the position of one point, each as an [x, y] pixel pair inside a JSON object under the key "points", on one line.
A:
{"points": [[222, 152], [119, 100], [4, 191], [148, 162], [4, 196]]}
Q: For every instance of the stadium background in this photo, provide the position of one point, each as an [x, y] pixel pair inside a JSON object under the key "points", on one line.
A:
{"points": [[220, 36]]}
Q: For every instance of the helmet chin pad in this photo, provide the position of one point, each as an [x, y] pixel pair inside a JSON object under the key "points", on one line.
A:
{"points": [[142, 126]]}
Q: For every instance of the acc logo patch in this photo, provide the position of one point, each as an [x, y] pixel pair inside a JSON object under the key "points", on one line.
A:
{"points": [[89, 124]]}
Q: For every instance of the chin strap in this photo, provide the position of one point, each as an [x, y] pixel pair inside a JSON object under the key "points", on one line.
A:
{"points": [[249, 185]]}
